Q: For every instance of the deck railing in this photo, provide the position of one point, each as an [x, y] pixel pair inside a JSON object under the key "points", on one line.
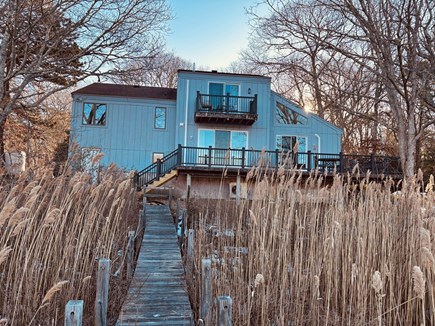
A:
{"points": [[210, 157], [226, 103]]}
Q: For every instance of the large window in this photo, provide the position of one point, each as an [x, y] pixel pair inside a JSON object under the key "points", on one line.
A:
{"points": [[222, 138], [94, 114], [160, 118], [287, 116]]}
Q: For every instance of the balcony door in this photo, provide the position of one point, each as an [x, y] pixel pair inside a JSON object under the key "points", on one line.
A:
{"points": [[218, 91]]}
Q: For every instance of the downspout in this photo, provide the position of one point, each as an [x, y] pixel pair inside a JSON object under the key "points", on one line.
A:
{"points": [[318, 143], [185, 117]]}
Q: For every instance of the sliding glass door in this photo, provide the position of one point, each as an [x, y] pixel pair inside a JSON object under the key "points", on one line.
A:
{"points": [[290, 146], [222, 142], [220, 101]]}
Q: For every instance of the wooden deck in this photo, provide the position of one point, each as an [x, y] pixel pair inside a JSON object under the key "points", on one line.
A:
{"points": [[157, 294]]}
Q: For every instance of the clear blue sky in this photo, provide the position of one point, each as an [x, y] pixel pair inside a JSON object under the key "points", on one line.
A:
{"points": [[209, 33]]}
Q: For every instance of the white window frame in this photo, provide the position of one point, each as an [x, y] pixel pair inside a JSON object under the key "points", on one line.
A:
{"points": [[230, 130], [296, 136], [155, 117], [201, 159], [154, 158], [225, 84]]}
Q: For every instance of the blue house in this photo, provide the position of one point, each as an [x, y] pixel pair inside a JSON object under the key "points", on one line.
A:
{"points": [[212, 121]]}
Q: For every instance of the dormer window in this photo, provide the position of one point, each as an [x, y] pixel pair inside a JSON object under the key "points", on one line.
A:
{"points": [[287, 116]]}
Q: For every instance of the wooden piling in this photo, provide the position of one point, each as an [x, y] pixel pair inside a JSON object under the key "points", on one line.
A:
{"points": [[190, 243], [205, 303], [101, 300], [130, 254], [225, 310], [74, 313]]}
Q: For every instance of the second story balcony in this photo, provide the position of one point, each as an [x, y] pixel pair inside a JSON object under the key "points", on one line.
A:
{"points": [[226, 109]]}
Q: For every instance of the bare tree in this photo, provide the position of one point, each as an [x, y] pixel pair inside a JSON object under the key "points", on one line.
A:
{"points": [[291, 44], [286, 41], [159, 71], [390, 41], [398, 35], [48, 46]]}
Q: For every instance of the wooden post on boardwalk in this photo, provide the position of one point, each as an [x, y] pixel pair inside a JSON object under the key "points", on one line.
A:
{"points": [[130, 254], [170, 199], [190, 243], [177, 209], [225, 310], [140, 226], [238, 189], [205, 303], [143, 218], [74, 313], [189, 185], [102, 292]]}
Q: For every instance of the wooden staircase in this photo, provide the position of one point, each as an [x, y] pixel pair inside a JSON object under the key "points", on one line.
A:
{"points": [[161, 181]]}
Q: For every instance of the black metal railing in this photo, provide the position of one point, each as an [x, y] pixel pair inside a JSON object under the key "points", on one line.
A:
{"points": [[158, 168], [226, 103], [210, 157]]}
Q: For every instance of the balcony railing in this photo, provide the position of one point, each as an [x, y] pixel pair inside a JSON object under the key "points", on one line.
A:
{"points": [[210, 157], [226, 109]]}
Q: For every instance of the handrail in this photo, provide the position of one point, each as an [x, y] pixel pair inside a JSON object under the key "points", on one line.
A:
{"points": [[211, 157], [158, 169], [228, 104]]}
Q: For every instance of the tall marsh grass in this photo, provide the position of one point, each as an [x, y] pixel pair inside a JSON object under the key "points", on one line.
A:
{"points": [[305, 253], [53, 230]]}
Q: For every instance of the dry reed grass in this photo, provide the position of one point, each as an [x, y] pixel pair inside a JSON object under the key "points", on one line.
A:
{"points": [[350, 253], [53, 230]]}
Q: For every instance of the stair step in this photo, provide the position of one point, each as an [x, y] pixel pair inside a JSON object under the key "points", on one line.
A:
{"points": [[162, 180]]}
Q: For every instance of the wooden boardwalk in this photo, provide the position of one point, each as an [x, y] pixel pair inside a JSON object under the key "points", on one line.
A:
{"points": [[157, 294]]}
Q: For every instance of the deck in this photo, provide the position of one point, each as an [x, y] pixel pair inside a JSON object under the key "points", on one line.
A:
{"points": [[209, 158], [157, 294]]}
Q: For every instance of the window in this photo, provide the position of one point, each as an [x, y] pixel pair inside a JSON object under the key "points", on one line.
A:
{"points": [[160, 118], [222, 138], [94, 114], [287, 116], [297, 145], [291, 143], [157, 156], [91, 161]]}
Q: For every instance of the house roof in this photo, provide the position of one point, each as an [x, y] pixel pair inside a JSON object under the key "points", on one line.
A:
{"points": [[160, 93], [215, 72]]}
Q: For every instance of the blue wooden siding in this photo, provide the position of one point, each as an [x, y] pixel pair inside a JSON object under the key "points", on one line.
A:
{"points": [[315, 129], [191, 82], [129, 138]]}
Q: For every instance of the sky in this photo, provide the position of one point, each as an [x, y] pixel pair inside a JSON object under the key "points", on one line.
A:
{"points": [[209, 33]]}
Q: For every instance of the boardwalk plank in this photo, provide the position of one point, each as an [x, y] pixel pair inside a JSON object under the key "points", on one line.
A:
{"points": [[157, 293]]}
